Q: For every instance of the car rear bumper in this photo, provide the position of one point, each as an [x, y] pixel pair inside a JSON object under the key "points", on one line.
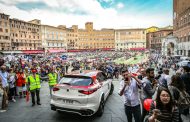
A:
{"points": [[82, 112], [81, 109]]}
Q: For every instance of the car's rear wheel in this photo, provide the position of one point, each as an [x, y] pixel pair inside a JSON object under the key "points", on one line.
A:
{"points": [[101, 107]]}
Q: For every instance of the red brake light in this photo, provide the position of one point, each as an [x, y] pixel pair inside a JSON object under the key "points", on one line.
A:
{"points": [[55, 89], [87, 92]]}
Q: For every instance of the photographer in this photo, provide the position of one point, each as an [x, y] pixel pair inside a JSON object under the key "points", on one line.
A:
{"points": [[129, 88], [149, 87]]}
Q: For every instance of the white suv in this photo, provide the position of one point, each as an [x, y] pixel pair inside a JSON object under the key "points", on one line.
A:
{"points": [[83, 93]]}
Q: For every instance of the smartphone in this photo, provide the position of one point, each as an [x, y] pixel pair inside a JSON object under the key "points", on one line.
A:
{"points": [[157, 111], [127, 79]]}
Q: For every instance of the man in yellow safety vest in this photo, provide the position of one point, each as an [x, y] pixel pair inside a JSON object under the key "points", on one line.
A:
{"points": [[34, 84], [52, 80]]}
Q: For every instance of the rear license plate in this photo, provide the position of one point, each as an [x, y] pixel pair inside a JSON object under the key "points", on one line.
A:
{"points": [[68, 101]]}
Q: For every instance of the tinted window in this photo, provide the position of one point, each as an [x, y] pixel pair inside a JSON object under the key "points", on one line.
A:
{"points": [[76, 81]]}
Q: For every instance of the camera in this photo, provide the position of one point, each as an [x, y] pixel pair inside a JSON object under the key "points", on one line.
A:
{"points": [[158, 77]]}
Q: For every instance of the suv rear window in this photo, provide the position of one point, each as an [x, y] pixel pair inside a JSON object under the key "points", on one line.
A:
{"points": [[76, 81]]}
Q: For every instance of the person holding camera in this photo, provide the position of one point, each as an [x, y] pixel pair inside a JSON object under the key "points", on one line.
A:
{"points": [[149, 85], [129, 89], [163, 109]]}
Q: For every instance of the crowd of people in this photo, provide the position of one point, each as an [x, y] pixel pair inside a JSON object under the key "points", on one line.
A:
{"points": [[164, 95], [159, 81], [23, 74]]}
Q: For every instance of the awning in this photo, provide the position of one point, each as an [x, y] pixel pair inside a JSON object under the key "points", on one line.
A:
{"points": [[138, 48], [33, 51], [81, 50], [56, 50], [107, 49], [76, 50]]}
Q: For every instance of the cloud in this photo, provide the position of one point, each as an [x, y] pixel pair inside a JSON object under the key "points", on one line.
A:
{"points": [[107, 1], [120, 5], [77, 12], [13, 2]]}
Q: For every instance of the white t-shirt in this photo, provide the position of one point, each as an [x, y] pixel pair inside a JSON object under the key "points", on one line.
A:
{"points": [[131, 95]]}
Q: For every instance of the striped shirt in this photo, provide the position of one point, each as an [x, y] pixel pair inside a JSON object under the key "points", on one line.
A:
{"points": [[165, 115]]}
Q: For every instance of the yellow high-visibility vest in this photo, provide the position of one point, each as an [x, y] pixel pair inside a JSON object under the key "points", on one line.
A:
{"points": [[34, 82], [52, 79]]}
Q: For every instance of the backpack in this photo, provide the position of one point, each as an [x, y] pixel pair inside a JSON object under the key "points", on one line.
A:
{"points": [[184, 100]]}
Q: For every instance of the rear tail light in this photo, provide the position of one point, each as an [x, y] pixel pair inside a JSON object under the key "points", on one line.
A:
{"points": [[55, 89], [88, 92]]}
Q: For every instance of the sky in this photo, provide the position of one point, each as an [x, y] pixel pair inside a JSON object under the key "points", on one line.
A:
{"points": [[117, 14]]}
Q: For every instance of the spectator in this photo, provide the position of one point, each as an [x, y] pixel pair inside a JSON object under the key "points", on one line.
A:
{"points": [[149, 87], [11, 81], [142, 74], [129, 88], [1, 95], [186, 78], [167, 76], [163, 110], [21, 83], [5, 86], [175, 87]]}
